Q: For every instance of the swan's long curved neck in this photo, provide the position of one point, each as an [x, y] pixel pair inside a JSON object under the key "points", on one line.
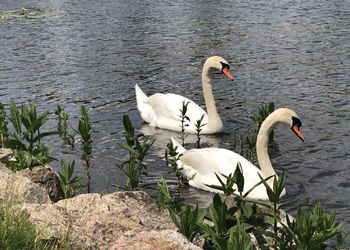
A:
{"points": [[262, 147], [214, 120]]}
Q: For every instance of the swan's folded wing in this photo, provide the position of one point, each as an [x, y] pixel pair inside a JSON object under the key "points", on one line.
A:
{"points": [[168, 106], [208, 161]]}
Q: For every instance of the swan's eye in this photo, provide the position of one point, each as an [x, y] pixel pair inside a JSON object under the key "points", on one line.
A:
{"points": [[296, 122], [225, 65]]}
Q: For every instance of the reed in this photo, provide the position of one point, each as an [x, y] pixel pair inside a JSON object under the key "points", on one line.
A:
{"points": [[184, 118], [63, 126], [3, 126], [137, 147], [199, 125], [230, 226], [85, 131], [69, 183], [25, 141]]}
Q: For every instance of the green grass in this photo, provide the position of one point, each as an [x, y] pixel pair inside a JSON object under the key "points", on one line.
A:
{"points": [[17, 232]]}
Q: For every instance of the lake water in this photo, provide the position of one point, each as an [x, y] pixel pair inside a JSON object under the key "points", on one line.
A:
{"points": [[293, 53]]}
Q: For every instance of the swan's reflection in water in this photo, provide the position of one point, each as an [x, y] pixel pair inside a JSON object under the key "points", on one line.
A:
{"points": [[162, 138], [194, 196]]}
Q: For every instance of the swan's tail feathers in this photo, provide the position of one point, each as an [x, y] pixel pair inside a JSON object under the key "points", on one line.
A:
{"points": [[145, 109], [180, 149], [140, 96]]}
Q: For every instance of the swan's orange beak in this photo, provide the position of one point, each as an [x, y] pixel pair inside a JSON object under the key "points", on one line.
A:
{"points": [[226, 71], [297, 131]]}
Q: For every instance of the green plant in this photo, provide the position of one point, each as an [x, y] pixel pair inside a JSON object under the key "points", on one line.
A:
{"points": [[26, 141], [250, 153], [231, 226], [199, 126], [245, 144], [234, 186], [16, 232], [171, 157], [63, 124], [137, 149], [223, 219], [59, 110], [263, 112], [3, 126], [188, 221], [310, 230], [85, 131], [165, 199], [238, 238], [69, 183], [274, 195], [183, 119]]}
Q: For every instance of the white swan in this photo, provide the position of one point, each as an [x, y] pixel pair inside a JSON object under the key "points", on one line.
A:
{"points": [[200, 165], [163, 110]]}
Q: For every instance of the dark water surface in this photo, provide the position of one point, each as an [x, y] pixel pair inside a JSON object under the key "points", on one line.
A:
{"points": [[293, 53]]}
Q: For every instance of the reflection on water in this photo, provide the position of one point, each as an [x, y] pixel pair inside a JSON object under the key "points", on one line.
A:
{"points": [[295, 54], [162, 138]]}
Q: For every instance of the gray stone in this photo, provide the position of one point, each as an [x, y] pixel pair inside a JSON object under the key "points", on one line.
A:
{"points": [[149, 240], [17, 189], [93, 221], [47, 178]]}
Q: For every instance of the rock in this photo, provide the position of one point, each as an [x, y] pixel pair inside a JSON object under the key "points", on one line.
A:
{"points": [[43, 175], [46, 178], [120, 220], [6, 154], [18, 189], [149, 240], [95, 221]]}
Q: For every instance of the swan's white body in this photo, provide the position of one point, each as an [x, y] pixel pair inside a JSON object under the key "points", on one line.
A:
{"points": [[163, 110], [200, 165]]}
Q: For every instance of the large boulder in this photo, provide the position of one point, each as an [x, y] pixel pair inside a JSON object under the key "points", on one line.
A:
{"points": [[18, 189], [42, 175], [94, 221], [149, 240], [46, 178]]}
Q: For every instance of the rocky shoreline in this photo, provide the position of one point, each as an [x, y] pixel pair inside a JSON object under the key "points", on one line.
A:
{"points": [[119, 220]]}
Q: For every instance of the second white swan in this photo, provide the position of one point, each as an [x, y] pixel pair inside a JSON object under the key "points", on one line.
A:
{"points": [[200, 165], [163, 110]]}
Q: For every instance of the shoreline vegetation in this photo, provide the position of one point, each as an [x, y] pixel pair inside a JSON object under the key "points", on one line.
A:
{"points": [[232, 221]]}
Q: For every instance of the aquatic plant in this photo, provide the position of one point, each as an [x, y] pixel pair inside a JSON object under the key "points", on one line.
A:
{"points": [[63, 125], [239, 238], [183, 119], [69, 183], [25, 142], [274, 195], [137, 147], [188, 220], [199, 126], [227, 231], [165, 199], [310, 230], [230, 226], [3, 126], [171, 157], [263, 112], [244, 144], [85, 131]]}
